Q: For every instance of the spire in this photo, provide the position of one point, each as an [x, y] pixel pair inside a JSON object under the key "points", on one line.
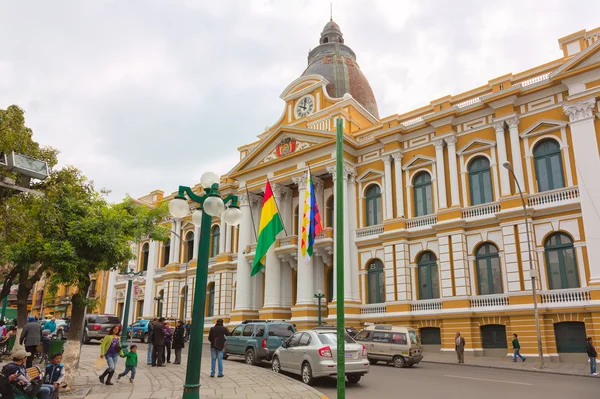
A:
{"points": [[331, 11], [331, 33]]}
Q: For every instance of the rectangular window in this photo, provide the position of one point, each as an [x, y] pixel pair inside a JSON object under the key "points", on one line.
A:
{"points": [[382, 337], [248, 330]]}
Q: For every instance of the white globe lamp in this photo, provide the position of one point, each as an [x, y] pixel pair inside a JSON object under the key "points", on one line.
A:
{"points": [[197, 217], [178, 208], [232, 216], [213, 206], [208, 179]]}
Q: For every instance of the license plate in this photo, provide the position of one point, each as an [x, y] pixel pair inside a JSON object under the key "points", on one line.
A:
{"points": [[348, 354]]}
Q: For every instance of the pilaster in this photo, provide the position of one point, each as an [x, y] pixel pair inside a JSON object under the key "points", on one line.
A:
{"points": [[399, 188], [515, 147], [389, 206], [441, 173], [502, 158], [453, 170]]}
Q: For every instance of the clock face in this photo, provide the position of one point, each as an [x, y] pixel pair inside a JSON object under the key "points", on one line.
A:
{"points": [[305, 106]]}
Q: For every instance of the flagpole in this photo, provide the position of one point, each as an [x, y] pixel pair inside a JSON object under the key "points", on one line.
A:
{"points": [[251, 214], [278, 213]]}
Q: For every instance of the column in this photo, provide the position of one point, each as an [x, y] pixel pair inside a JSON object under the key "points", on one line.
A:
{"points": [[351, 230], [387, 173], [515, 148], [441, 173], [585, 147], [229, 239], [173, 240], [273, 265], [196, 240], [453, 170], [397, 157], [243, 296], [109, 306], [223, 239], [305, 274], [501, 147], [150, 286]]}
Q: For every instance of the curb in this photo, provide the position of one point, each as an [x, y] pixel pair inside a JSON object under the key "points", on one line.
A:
{"points": [[544, 371]]}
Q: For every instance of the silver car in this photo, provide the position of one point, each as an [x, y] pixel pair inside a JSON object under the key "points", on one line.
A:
{"points": [[313, 354]]}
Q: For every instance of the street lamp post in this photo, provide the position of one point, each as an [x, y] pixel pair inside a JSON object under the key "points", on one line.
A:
{"points": [[532, 272], [129, 276], [319, 295], [211, 204], [158, 300]]}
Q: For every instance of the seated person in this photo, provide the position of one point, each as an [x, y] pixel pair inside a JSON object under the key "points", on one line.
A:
{"points": [[17, 366], [11, 332], [55, 372]]}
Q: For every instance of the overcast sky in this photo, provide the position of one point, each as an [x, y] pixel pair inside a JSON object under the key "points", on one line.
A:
{"points": [[145, 95]]}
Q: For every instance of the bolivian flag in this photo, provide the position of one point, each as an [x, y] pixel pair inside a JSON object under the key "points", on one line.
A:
{"points": [[270, 226]]}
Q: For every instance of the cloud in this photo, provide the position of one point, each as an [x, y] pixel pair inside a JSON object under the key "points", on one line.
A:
{"points": [[145, 95]]}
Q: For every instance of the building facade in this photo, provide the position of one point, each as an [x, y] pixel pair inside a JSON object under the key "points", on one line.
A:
{"points": [[435, 232]]}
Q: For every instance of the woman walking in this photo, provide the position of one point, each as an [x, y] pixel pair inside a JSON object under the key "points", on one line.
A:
{"points": [[168, 341], [178, 341], [110, 349]]}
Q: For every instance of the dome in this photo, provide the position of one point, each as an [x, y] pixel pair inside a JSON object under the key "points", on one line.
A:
{"points": [[336, 62]]}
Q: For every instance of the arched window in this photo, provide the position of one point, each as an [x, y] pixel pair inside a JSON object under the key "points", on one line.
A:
{"points": [[329, 212], [480, 181], [376, 281], [145, 257], [210, 301], [166, 252], [295, 221], [489, 277], [429, 286], [189, 246], [561, 262], [373, 200], [422, 193], [548, 165], [215, 235]]}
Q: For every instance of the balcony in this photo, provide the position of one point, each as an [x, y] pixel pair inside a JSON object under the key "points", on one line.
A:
{"points": [[373, 308], [480, 211], [554, 197], [427, 304], [369, 231], [575, 296], [212, 261], [487, 301], [421, 221]]}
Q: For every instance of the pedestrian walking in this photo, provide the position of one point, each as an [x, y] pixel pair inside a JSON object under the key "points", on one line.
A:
{"points": [[178, 341], [216, 337], [517, 349], [158, 341], [150, 338], [131, 362], [168, 341], [110, 349], [459, 347], [31, 337], [592, 354]]}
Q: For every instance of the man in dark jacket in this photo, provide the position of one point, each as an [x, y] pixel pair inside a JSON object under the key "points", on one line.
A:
{"points": [[158, 342], [31, 337], [590, 349], [216, 337], [151, 324]]}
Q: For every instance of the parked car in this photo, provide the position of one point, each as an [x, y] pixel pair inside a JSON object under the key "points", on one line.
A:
{"points": [[399, 346], [313, 354], [257, 340], [139, 330], [61, 328], [351, 331], [97, 326]]}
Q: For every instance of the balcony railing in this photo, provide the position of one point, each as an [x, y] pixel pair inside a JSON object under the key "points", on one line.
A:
{"points": [[373, 308], [212, 261], [480, 210], [421, 221], [369, 231], [427, 304], [554, 196], [288, 241], [576, 295], [487, 301]]}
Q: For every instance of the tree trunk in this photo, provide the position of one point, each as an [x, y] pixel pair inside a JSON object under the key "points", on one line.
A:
{"points": [[73, 345], [22, 302]]}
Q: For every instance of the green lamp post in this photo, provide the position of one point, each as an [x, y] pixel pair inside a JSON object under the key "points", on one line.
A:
{"points": [[129, 276], [319, 295], [211, 204]]}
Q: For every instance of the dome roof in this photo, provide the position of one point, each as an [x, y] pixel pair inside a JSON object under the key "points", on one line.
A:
{"points": [[336, 62]]}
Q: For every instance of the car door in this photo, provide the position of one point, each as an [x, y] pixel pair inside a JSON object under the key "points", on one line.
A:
{"points": [[298, 353], [232, 341], [381, 346], [286, 354], [364, 338], [246, 339]]}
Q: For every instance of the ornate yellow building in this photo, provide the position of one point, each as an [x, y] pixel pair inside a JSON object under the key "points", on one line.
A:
{"points": [[435, 232]]}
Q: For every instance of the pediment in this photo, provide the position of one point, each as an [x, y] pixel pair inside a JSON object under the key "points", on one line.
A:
{"points": [[542, 126], [303, 85], [476, 145], [187, 225], [582, 61], [370, 174], [418, 161]]}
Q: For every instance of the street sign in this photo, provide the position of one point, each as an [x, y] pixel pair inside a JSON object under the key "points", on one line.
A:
{"points": [[136, 290]]}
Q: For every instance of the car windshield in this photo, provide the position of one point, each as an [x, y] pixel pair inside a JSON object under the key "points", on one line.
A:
{"points": [[414, 338], [330, 338], [108, 320], [281, 330]]}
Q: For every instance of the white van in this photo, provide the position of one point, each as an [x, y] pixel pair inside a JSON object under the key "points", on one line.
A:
{"points": [[391, 344]]}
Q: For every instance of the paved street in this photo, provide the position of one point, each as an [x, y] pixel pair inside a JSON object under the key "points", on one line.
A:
{"points": [[429, 380]]}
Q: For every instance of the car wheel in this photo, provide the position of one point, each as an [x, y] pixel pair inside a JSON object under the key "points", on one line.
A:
{"points": [[144, 338], [307, 376], [353, 379], [372, 361], [399, 362], [250, 357], [276, 365]]}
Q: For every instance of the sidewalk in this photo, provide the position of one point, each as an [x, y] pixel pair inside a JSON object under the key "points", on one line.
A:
{"points": [[580, 369], [240, 381]]}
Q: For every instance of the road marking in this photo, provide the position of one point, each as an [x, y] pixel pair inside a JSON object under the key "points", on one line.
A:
{"points": [[485, 379]]}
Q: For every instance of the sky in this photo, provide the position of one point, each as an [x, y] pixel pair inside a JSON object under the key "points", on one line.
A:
{"points": [[145, 94]]}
